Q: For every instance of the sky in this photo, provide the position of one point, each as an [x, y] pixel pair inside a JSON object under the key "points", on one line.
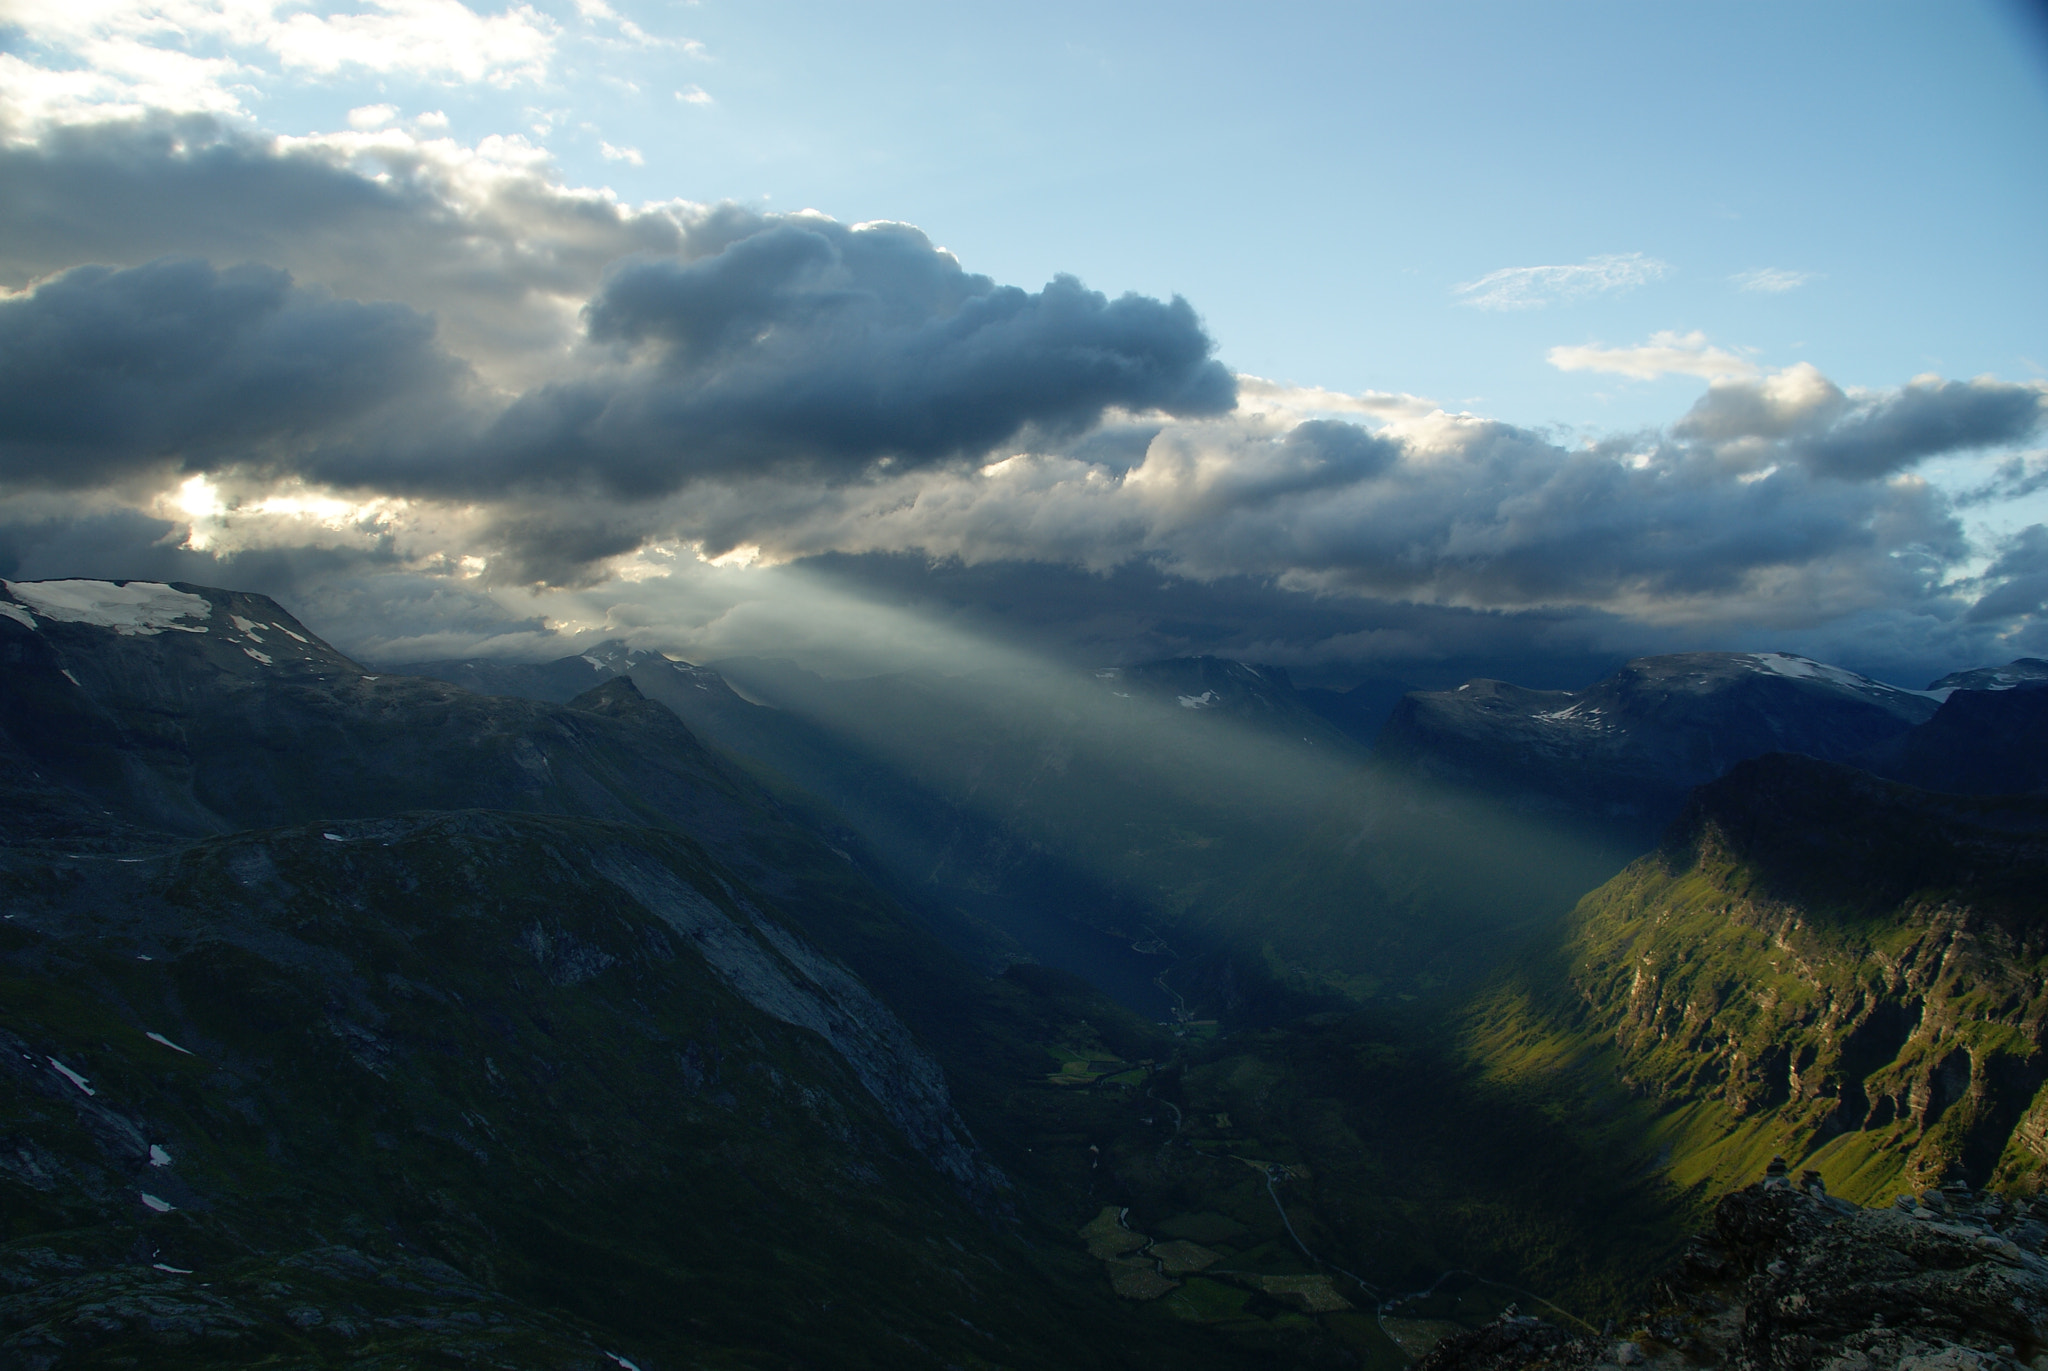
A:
{"points": [[1378, 342]]}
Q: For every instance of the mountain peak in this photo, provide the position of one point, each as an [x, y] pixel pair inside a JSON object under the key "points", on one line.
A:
{"points": [[2019, 673]]}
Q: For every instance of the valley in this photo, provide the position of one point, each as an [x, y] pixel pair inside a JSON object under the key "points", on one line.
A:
{"points": [[623, 1011]]}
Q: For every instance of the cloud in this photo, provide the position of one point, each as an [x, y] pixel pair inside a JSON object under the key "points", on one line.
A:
{"points": [[107, 57], [1449, 510], [1771, 280], [1798, 415], [1929, 416], [405, 369], [628, 155], [2014, 479], [1666, 354], [752, 343], [106, 373], [1535, 287], [479, 237], [2018, 578], [695, 95], [1257, 393], [797, 344]]}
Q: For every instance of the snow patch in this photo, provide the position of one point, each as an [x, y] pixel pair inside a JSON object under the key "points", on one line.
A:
{"points": [[630, 1366], [137, 609], [157, 1155], [1805, 669], [18, 614], [174, 1270], [72, 1076], [69, 677], [160, 1206], [1201, 701], [248, 626], [334, 837], [289, 634], [263, 657], [160, 1038]]}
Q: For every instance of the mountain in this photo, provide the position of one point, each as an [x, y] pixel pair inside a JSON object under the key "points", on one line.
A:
{"points": [[556, 682], [2020, 672], [1064, 816], [363, 1019], [1626, 750], [357, 1017], [1817, 963], [1197, 817], [1982, 741]]}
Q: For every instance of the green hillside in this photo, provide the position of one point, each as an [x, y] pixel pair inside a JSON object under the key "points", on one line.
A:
{"points": [[1816, 963]]}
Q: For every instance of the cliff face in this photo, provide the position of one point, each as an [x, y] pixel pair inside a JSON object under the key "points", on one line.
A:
{"points": [[1818, 963]]}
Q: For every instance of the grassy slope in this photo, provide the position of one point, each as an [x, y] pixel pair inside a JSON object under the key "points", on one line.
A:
{"points": [[1817, 964]]}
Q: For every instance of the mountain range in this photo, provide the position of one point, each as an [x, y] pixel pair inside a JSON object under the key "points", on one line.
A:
{"points": [[623, 1011]]}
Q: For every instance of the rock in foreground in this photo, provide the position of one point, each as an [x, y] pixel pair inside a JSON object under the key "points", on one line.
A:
{"points": [[1790, 1279]]}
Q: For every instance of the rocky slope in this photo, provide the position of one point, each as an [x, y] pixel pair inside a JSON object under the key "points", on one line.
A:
{"points": [[1789, 1278], [1816, 962], [1626, 750], [354, 1020], [1194, 813]]}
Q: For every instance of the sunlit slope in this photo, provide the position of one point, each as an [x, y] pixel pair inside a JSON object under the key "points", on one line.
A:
{"points": [[1816, 963]]}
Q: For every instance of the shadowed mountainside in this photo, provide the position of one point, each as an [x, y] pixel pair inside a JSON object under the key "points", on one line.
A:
{"points": [[1626, 750]]}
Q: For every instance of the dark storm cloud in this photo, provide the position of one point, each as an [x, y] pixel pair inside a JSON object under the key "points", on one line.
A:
{"points": [[476, 244], [719, 341], [105, 372], [1803, 417], [2018, 577], [807, 346], [1923, 420]]}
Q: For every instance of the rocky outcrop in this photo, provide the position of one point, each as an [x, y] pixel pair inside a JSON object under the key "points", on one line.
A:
{"points": [[1791, 1279]]}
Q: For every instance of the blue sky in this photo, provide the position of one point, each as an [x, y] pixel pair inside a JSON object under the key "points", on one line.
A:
{"points": [[1318, 179], [1570, 219]]}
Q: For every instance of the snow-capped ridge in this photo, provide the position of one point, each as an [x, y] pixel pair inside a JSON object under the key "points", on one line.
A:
{"points": [[130, 608]]}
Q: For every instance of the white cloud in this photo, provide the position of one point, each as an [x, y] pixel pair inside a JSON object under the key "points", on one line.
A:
{"points": [[371, 116], [695, 95], [1534, 287], [104, 57], [1668, 353], [612, 154], [1258, 395], [1771, 280]]}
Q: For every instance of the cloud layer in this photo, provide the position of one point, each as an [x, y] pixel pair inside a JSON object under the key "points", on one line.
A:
{"points": [[379, 358]]}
